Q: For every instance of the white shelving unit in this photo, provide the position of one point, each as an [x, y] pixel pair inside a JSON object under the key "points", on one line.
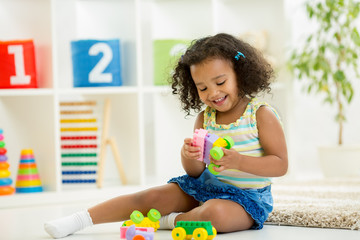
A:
{"points": [[145, 119]]}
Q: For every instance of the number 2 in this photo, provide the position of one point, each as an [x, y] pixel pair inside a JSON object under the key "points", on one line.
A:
{"points": [[96, 75]]}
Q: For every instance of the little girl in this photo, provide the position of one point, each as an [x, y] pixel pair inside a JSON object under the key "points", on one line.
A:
{"points": [[225, 74]]}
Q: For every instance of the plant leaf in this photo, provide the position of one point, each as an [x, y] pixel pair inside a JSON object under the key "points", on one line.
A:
{"points": [[355, 36], [339, 76]]}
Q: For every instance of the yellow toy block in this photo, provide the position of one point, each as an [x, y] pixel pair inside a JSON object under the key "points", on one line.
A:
{"points": [[138, 219], [220, 142]]}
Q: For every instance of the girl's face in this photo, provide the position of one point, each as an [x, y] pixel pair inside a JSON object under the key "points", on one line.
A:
{"points": [[216, 84]]}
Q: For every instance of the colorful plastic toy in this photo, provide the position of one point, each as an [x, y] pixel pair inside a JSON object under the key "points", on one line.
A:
{"points": [[28, 179], [138, 219], [199, 230], [5, 180], [123, 230], [133, 234], [211, 145]]}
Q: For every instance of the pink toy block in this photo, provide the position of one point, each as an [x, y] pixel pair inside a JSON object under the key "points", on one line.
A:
{"points": [[199, 141], [124, 229]]}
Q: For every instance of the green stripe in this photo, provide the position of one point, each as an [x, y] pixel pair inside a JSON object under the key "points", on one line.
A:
{"points": [[27, 171], [79, 163], [244, 179], [78, 155]]}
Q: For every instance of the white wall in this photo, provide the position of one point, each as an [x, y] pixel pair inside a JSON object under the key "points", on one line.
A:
{"points": [[312, 122]]}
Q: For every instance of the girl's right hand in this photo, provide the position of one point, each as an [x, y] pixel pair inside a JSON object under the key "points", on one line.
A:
{"points": [[189, 151]]}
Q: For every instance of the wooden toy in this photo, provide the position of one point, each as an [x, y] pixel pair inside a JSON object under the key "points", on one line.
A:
{"points": [[84, 142]]}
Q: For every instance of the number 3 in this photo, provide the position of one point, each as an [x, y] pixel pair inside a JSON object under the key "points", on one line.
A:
{"points": [[96, 75]]}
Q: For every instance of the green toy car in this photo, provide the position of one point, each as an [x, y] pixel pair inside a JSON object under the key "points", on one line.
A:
{"points": [[199, 230]]}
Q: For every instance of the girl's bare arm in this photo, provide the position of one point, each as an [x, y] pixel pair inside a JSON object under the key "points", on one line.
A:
{"points": [[190, 153], [272, 140]]}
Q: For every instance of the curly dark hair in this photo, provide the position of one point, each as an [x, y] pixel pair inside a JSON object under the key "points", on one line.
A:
{"points": [[253, 72]]}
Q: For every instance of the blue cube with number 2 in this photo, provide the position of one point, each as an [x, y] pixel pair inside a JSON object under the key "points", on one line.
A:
{"points": [[96, 63]]}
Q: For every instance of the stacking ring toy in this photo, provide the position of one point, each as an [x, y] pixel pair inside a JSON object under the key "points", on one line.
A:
{"points": [[6, 190], [5, 182], [4, 165], [4, 173], [29, 189]]}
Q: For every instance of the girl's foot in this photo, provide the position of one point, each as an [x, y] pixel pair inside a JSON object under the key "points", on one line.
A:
{"points": [[65, 226]]}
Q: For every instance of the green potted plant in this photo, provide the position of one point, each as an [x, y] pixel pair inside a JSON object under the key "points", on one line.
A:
{"points": [[328, 63]]}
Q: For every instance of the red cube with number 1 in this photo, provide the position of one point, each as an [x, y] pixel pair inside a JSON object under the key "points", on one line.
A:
{"points": [[17, 64]]}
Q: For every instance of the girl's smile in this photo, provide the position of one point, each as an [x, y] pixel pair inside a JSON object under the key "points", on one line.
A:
{"points": [[220, 101], [216, 83]]}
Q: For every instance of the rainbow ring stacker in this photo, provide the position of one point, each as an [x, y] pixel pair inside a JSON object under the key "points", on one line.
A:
{"points": [[5, 180], [28, 179], [210, 145]]}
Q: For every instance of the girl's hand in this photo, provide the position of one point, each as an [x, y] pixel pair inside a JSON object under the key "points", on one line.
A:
{"points": [[189, 151], [230, 160]]}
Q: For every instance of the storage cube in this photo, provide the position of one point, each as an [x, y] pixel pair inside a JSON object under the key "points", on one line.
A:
{"points": [[167, 53], [96, 63], [17, 64]]}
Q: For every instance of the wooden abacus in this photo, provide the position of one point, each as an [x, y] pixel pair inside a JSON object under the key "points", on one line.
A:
{"points": [[93, 129]]}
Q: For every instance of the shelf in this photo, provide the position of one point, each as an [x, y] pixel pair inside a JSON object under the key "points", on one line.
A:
{"points": [[98, 91], [26, 92], [157, 89], [142, 114]]}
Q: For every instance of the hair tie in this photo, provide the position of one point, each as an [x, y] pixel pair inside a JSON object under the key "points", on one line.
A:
{"points": [[238, 55]]}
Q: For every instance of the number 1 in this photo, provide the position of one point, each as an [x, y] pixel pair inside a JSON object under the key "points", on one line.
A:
{"points": [[20, 77]]}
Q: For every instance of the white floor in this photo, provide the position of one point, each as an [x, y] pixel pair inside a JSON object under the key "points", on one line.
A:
{"points": [[27, 224]]}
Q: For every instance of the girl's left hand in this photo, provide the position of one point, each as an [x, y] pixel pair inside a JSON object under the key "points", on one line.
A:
{"points": [[230, 160]]}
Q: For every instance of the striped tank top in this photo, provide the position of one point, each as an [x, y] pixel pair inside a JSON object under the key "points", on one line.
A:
{"points": [[244, 132]]}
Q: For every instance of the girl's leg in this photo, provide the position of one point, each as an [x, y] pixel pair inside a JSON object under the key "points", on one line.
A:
{"points": [[225, 215], [168, 198]]}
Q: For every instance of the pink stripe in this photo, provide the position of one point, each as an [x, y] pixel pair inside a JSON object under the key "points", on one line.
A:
{"points": [[28, 156], [28, 177]]}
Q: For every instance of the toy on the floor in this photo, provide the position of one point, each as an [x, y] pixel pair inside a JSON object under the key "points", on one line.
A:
{"points": [[5, 180], [211, 145], [28, 179], [138, 219], [123, 230], [132, 233], [199, 230]]}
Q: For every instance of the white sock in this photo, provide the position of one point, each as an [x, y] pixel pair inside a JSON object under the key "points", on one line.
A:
{"points": [[65, 226], [168, 221]]}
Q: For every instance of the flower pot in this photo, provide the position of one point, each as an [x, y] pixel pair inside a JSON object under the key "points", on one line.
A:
{"points": [[340, 161]]}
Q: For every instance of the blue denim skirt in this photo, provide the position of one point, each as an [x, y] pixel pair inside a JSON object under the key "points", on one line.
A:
{"points": [[257, 202]]}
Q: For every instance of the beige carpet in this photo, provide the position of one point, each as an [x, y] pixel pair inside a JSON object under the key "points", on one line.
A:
{"points": [[324, 204]]}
